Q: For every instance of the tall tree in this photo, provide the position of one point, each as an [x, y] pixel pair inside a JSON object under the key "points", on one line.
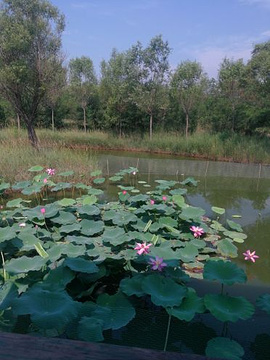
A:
{"points": [[82, 81], [188, 82], [30, 44], [151, 73]]}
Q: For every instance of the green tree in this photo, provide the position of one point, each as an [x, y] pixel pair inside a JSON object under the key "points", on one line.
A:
{"points": [[83, 82], [30, 44], [188, 84]]}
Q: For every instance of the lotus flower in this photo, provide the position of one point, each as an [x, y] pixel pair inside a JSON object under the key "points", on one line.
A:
{"points": [[50, 171], [250, 255], [157, 263], [142, 248], [197, 231], [43, 210]]}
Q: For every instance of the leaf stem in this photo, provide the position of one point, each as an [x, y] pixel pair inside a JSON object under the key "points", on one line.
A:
{"points": [[167, 333]]}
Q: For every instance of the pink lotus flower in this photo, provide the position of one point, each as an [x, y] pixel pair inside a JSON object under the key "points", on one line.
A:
{"points": [[142, 248], [250, 255], [157, 263], [50, 171], [43, 210], [164, 198], [152, 202], [45, 181], [124, 192], [197, 231]]}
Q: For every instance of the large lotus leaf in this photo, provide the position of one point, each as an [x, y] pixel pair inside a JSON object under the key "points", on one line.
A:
{"points": [[64, 218], [36, 168], [114, 235], [90, 210], [190, 305], [176, 274], [80, 240], [198, 243], [227, 248], [114, 310], [179, 200], [164, 291], [189, 181], [21, 185], [99, 181], [178, 191], [228, 308], [71, 250], [7, 233], [66, 229], [82, 186], [25, 264], [15, 203], [263, 302], [8, 292], [58, 278], [224, 348], [116, 178], [132, 286], [95, 192], [32, 189], [91, 227], [164, 251], [122, 218], [61, 186], [96, 173], [217, 226], [90, 329], [168, 221], [81, 265], [188, 253], [89, 200], [48, 309], [191, 213], [66, 202], [218, 210], [225, 272], [234, 226], [167, 183], [139, 198], [235, 234]]}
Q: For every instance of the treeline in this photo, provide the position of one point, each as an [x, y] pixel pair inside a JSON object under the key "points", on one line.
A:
{"points": [[137, 90]]}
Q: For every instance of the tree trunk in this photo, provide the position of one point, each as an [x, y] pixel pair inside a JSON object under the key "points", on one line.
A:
{"points": [[151, 126], [187, 124], [84, 119], [18, 122], [32, 136], [52, 119]]}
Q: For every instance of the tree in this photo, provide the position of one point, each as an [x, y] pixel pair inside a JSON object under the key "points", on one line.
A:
{"points": [[188, 83], [150, 67], [30, 44], [82, 81]]}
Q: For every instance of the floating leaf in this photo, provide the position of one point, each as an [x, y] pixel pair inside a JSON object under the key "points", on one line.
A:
{"points": [[228, 308], [36, 168], [90, 329], [179, 200], [224, 348], [132, 286], [8, 292], [192, 212], [66, 202], [227, 248], [189, 181], [234, 226], [81, 265], [225, 272], [188, 253], [218, 210], [116, 178], [99, 181], [25, 264], [89, 200], [91, 227], [96, 173], [263, 302]]}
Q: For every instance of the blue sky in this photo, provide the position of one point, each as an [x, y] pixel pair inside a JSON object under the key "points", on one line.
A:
{"points": [[201, 30]]}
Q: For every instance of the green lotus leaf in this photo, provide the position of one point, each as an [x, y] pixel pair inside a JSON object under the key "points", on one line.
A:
{"points": [[234, 234], [66, 173], [188, 253], [115, 236], [114, 310], [25, 264], [139, 198], [165, 251], [164, 291], [116, 178], [81, 265], [48, 309], [227, 248], [15, 203], [90, 329], [228, 308], [80, 239], [99, 181], [178, 191], [234, 226], [179, 200], [89, 200], [71, 250], [224, 348], [66, 202], [190, 305], [167, 183], [61, 186], [7, 233], [198, 243], [21, 185], [189, 181], [95, 192], [96, 173], [218, 210], [36, 168], [132, 286], [90, 210], [82, 186], [217, 226], [32, 189], [91, 227], [66, 229], [64, 218], [58, 278], [263, 302], [8, 292], [192, 212], [124, 218], [168, 221], [225, 272], [177, 274]]}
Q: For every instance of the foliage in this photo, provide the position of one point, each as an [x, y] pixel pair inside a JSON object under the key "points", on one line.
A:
{"points": [[71, 266]]}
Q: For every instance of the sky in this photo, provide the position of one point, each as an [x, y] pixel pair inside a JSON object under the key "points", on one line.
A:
{"points": [[205, 31]]}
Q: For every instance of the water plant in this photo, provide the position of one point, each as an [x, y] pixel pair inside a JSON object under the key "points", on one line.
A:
{"points": [[81, 265]]}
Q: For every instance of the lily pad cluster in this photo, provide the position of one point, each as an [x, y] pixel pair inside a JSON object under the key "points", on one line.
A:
{"points": [[69, 267]]}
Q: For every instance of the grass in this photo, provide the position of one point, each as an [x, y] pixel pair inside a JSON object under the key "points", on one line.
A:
{"points": [[56, 149]]}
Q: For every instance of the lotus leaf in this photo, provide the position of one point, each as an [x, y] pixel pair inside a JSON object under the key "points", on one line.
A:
{"points": [[179, 200], [192, 212], [67, 229], [36, 168], [228, 308], [123, 218], [190, 305], [8, 292], [115, 310], [21, 185], [66, 173], [188, 253], [115, 178], [7, 233], [64, 218], [189, 181], [90, 210], [263, 302], [58, 278], [96, 173], [95, 192], [48, 309], [81, 265], [234, 234], [227, 248], [178, 191], [168, 221], [164, 291], [80, 239], [90, 329], [234, 226], [225, 272], [218, 210], [66, 202], [99, 181], [132, 286], [61, 186], [57, 250], [15, 203], [114, 236], [224, 348], [89, 200], [25, 264], [91, 227], [32, 189]]}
